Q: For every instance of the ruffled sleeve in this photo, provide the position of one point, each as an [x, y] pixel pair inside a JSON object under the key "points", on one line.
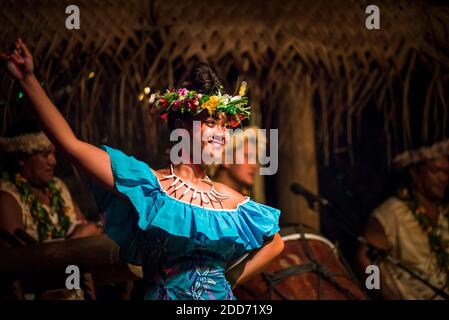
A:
{"points": [[258, 222], [141, 204], [138, 189]]}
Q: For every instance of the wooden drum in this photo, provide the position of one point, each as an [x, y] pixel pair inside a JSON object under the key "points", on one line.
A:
{"points": [[309, 268]]}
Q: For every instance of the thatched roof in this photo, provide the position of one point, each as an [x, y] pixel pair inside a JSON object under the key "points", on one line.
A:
{"points": [[274, 44]]}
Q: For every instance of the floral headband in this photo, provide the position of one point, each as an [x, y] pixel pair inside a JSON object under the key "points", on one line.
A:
{"points": [[27, 143], [184, 100], [412, 157]]}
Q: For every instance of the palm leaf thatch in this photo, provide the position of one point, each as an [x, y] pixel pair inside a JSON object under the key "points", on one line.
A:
{"points": [[309, 55], [132, 44]]}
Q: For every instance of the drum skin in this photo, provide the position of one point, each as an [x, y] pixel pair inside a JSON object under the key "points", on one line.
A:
{"points": [[308, 269]]}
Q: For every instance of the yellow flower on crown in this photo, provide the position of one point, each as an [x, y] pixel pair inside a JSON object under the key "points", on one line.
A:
{"points": [[242, 90], [211, 104]]}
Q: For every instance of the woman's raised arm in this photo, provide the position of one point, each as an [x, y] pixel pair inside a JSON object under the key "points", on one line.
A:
{"points": [[89, 158]]}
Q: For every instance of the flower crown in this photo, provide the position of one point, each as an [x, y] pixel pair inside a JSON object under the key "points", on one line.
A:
{"points": [[184, 100], [27, 143]]}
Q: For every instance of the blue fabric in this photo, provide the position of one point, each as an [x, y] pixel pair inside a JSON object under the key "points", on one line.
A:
{"points": [[197, 243]]}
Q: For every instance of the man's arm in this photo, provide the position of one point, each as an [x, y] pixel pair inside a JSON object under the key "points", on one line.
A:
{"points": [[79, 215], [375, 235], [86, 228], [10, 214]]}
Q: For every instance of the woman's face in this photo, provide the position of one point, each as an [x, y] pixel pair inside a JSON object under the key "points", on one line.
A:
{"points": [[213, 137]]}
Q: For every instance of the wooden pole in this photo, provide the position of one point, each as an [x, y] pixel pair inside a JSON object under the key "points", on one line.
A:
{"points": [[297, 157]]}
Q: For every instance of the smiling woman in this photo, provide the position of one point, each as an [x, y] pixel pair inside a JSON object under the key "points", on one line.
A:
{"points": [[182, 228], [195, 227]]}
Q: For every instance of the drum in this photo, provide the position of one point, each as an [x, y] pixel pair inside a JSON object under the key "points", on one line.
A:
{"points": [[309, 268]]}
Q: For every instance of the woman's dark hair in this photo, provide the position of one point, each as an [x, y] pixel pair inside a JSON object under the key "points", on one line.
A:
{"points": [[203, 79]]}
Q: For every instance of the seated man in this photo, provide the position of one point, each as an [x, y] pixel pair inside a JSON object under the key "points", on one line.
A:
{"points": [[413, 227], [32, 198]]}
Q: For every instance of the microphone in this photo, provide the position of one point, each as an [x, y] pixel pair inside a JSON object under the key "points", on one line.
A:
{"points": [[310, 196]]}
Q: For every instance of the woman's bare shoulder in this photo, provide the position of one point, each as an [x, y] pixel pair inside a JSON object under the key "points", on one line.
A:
{"points": [[161, 172], [236, 196]]}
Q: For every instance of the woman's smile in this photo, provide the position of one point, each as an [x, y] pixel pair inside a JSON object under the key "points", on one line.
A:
{"points": [[217, 142]]}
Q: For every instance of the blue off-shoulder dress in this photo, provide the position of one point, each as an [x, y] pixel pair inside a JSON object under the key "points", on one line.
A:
{"points": [[184, 249]]}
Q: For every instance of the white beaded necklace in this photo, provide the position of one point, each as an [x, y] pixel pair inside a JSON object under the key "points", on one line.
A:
{"points": [[206, 196]]}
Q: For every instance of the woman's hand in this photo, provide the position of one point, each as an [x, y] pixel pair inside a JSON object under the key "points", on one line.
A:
{"points": [[93, 160], [19, 61]]}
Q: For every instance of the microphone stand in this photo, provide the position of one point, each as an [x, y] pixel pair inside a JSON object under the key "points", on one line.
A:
{"points": [[377, 251]]}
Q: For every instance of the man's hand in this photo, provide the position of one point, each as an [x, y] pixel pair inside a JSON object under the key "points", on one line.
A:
{"points": [[86, 230]]}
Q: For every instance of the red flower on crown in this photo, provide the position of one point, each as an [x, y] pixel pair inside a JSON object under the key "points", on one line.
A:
{"points": [[175, 105], [234, 121], [163, 103]]}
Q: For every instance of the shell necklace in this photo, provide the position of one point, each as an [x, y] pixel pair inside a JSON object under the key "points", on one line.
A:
{"points": [[206, 196]]}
